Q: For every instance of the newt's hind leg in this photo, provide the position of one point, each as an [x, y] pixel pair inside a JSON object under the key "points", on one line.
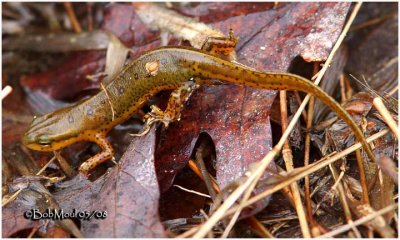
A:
{"points": [[221, 47], [172, 112]]}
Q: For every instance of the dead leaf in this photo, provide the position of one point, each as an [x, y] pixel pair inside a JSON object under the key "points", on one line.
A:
{"points": [[236, 118], [33, 195], [129, 194]]}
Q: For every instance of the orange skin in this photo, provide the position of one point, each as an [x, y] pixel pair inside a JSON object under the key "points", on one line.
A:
{"points": [[166, 68]]}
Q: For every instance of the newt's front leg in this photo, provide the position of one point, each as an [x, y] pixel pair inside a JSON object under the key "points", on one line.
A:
{"points": [[174, 108], [107, 152]]}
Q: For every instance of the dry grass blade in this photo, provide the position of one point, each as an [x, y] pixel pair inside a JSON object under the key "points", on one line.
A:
{"points": [[300, 173], [288, 158], [191, 191], [380, 106], [5, 91], [360, 221], [72, 17]]}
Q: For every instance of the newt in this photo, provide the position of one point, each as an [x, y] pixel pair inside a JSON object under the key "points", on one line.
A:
{"points": [[166, 68]]}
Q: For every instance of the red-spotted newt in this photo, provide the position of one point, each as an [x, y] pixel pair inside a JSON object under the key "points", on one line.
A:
{"points": [[166, 68]]}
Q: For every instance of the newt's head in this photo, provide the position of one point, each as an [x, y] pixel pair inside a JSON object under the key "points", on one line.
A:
{"points": [[50, 132]]}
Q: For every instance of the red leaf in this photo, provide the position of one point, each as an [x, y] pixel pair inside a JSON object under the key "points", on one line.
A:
{"points": [[236, 117]]}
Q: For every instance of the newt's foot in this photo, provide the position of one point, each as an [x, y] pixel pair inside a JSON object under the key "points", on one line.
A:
{"points": [[172, 112], [223, 47]]}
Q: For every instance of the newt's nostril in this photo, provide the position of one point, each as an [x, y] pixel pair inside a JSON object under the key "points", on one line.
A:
{"points": [[28, 138]]}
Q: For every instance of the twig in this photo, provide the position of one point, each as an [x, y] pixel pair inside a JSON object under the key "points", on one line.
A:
{"points": [[259, 227], [302, 172], [297, 96], [203, 169], [64, 164], [192, 191], [307, 144], [46, 165], [89, 8], [360, 221], [380, 106], [363, 179], [342, 82], [253, 221], [11, 198], [159, 18], [342, 197], [288, 158], [6, 91], [193, 166], [393, 91], [72, 17]]}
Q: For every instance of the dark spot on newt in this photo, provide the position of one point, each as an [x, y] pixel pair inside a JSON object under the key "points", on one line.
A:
{"points": [[90, 112], [121, 90], [136, 75]]}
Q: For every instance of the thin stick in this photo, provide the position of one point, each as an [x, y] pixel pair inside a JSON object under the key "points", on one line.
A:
{"points": [[302, 172], [72, 17], [89, 8], [6, 91], [192, 191], [200, 163], [342, 198], [393, 91], [297, 96], [360, 221], [342, 82], [307, 143], [380, 106], [46, 165], [259, 227], [288, 158], [261, 230], [196, 170], [363, 179]]}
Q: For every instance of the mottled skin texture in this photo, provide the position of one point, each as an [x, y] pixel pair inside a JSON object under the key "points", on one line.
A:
{"points": [[93, 118]]}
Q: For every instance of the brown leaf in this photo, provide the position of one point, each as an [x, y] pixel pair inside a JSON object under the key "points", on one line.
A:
{"points": [[70, 75], [128, 192], [219, 11]]}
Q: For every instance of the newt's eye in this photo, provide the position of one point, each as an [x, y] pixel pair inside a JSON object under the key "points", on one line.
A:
{"points": [[44, 139]]}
